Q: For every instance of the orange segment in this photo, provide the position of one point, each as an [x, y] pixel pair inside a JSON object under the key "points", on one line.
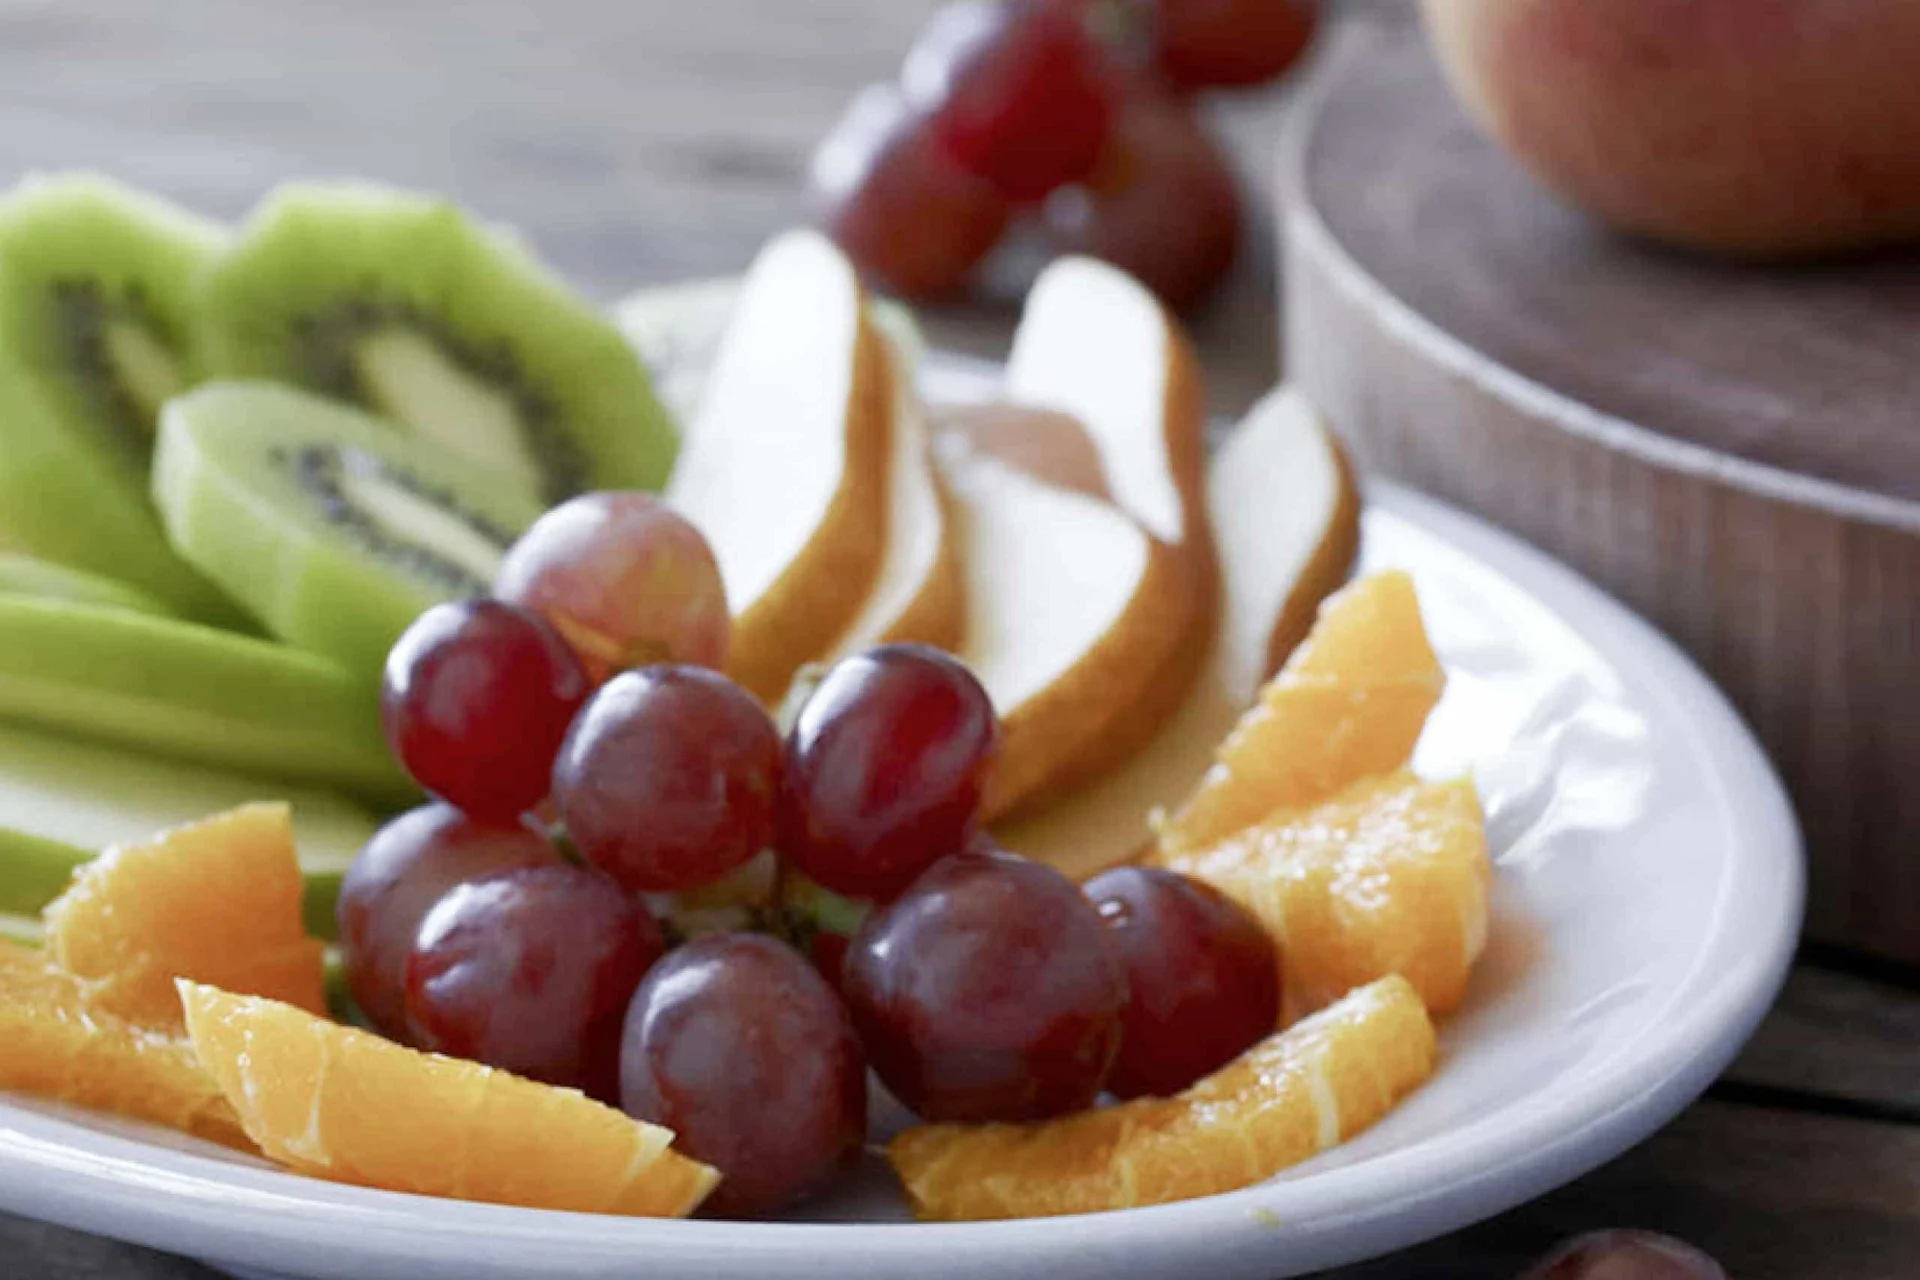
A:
{"points": [[342, 1104], [1289, 1097], [1349, 703], [217, 901], [53, 1045], [1391, 876]]}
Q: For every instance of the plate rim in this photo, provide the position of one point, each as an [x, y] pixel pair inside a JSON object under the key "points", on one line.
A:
{"points": [[248, 1217]]}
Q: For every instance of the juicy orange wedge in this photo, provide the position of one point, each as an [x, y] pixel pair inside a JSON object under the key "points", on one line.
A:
{"points": [[54, 1045], [1391, 876], [343, 1104], [217, 901], [1289, 1097], [1350, 703]]}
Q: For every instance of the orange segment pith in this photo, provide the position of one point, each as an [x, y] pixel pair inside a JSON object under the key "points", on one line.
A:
{"points": [[339, 1103], [54, 1046], [1289, 1097], [1349, 703], [217, 901], [1391, 876]]}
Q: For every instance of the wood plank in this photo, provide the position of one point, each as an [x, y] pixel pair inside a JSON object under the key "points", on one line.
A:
{"points": [[1773, 1195], [1840, 1035], [38, 1251]]}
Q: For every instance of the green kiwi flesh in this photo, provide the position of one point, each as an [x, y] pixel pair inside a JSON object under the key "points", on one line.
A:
{"points": [[405, 306], [24, 575], [334, 528], [191, 692], [95, 282], [62, 801]]}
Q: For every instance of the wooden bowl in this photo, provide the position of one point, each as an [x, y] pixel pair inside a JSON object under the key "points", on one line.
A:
{"points": [[1734, 452]]}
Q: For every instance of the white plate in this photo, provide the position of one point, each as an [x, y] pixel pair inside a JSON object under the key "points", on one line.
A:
{"points": [[1647, 901]]}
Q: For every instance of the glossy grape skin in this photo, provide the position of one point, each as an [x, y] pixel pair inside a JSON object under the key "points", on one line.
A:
{"points": [[1018, 92], [912, 220], [1625, 1255], [406, 868], [1164, 206], [530, 970], [668, 778], [625, 579], [1203, 978], [739, 1047], [476, 697], [989, 991], [1228, 43], [885, 767]]}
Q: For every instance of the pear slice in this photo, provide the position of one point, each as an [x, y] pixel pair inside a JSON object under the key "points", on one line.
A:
{"points": [[1071, 607], [1286, 514], [784, 468], [1095, 345], [918, 594]]}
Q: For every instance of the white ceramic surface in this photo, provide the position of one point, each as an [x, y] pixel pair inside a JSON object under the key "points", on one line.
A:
{"points": [[1647, 900]]}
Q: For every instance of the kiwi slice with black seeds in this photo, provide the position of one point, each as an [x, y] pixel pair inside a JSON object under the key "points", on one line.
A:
{"points": [[407, 307], [95, 284], [332, 528]]}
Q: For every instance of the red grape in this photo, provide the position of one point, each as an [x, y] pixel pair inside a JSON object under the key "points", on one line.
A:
{"points": [[408, 866], [530, 970], [740, 1048], [1203, 978], [912, 220], [476, 698], [1017, 91], [627, 581], [1203, 43], [1625, 1255], [1164, 205], [990, 990], [669, 777], [885, 767]]}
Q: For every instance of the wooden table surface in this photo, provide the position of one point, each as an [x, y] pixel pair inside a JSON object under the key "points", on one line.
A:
{"points": [[645, 140]]}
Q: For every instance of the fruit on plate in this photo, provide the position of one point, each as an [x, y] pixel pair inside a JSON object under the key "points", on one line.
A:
{"points": [[94, 298], [408, 866], [785, 468], [218, 900], [62, 801], [738, 1046], [329, 526], [625, 579], [1072, 609], [406, 306], [25, 575], [55, 1044], [476, 698], [1292, 1096], [1203, 978], [1389, 876], [1287, 520], [1095, 345], [885, 768], [1205, 43], [1350, 703], [1759, 131], [1048, 446], [339, 1103], [989, 990], [193, 693]]}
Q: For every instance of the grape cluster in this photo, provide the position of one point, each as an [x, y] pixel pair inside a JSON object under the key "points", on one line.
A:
{"points": [[1075, 119], [526, 918]]}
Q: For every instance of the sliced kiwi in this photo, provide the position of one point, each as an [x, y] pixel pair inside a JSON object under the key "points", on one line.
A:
{"points": [[192, 692], [332, 528], [406, 306], [24, 575], [62, 801], [95, 281]]}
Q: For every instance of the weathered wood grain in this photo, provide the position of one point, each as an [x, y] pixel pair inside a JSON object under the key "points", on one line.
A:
{"points": [[1635, 415]]}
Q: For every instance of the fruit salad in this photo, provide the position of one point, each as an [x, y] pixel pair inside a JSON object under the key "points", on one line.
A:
{"points": [[626, 797]]}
